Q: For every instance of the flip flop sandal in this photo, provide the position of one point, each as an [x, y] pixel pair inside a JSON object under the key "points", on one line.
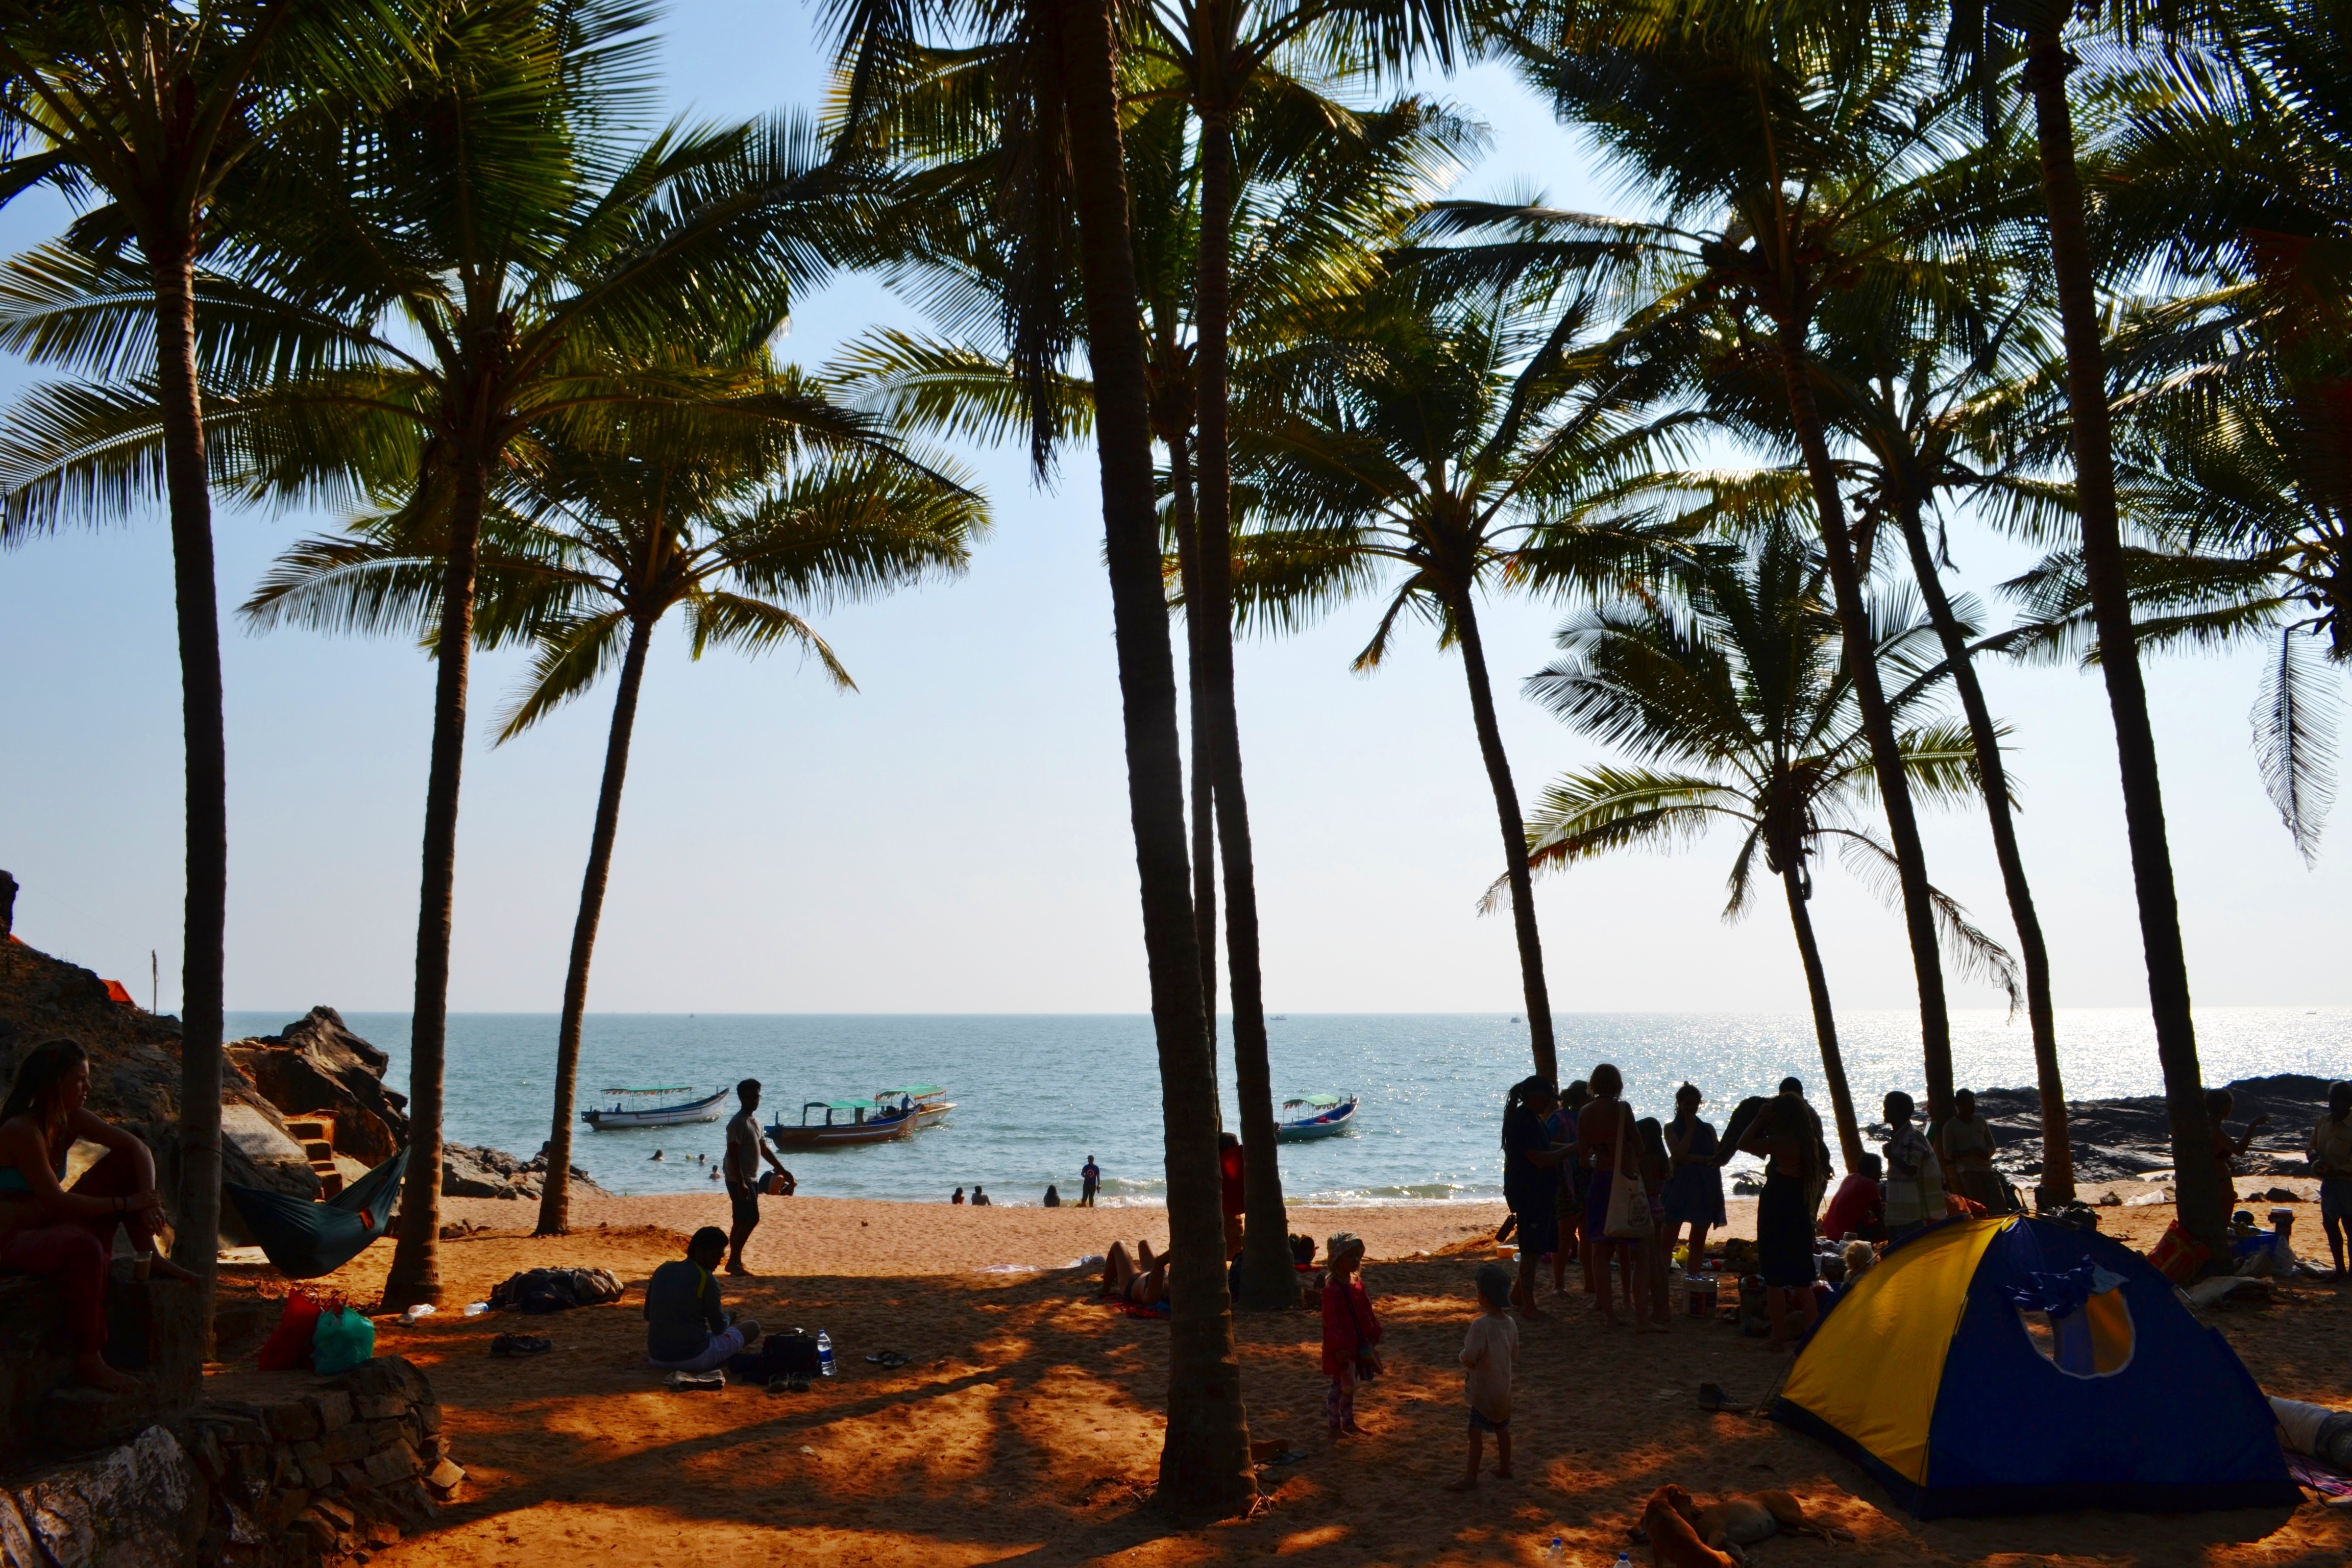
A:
{"points": [[889, 1360], [510, 1345], [780, 1384], [800, 1383]]}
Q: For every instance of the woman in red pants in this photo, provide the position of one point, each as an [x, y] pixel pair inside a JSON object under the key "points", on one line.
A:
{"points": [[67, 1234]]}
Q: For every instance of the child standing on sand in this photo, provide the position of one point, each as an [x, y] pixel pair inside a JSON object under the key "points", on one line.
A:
{"points": [[1351, 1333], [1489, 1353]]}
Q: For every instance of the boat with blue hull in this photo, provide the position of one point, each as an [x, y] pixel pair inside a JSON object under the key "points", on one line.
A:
{"points": [[1315, 1116], [645, 1107]]}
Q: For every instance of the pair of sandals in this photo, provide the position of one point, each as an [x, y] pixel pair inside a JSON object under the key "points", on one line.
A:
{"points": [[508, 1346], [794, 1383], [889, 1360]]}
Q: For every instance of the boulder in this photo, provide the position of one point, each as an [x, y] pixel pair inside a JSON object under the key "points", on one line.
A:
{"points": [[258, 1151], [316, 1065], [467, 1172], [140, 1505]]}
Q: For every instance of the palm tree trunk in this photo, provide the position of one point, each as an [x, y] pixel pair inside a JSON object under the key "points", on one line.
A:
{"points": [[1203, 769], [1817, 985], [2204, 1203], [555, 1192], [415, 1273], [1268, 1281], [196, 1245], [2057, 1147], [1515, 838], [1204, 1464], [1878, 724]]}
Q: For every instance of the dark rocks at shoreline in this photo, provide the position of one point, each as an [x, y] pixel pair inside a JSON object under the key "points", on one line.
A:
{"points": [[2128, 1139], [472, 1171]]}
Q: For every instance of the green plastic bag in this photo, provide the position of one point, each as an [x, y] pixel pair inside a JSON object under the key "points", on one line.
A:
{"points": [[342, 1340]]}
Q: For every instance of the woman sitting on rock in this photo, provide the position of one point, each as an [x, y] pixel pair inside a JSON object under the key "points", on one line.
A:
{"points": [[67, 1234]]}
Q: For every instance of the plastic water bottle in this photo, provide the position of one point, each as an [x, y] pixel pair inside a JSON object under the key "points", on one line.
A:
{"points": [[1625, 1559], [476, 1308], [824, 1353], [1556, 1552]]}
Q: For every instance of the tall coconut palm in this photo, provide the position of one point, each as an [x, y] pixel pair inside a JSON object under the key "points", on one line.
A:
{"points": [[144, 110], [1238, 67], [1927, 401], [491, 256], [1738, 705], [1323, 181], [1987, 36], [1797, 150], [1433, 446], [592, 549], [1044, 118]]}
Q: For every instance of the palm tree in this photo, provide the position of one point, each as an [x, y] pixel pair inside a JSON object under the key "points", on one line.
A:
{"points": [[1433, 444], [490, 262], [1983, 31], [1741, 708], [1797, 151], [150, 108], [1045, 120], [1239, 69], [1323, 178], [1929, 401], [588, 553]]}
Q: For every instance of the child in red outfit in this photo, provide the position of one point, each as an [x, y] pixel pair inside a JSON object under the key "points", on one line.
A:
{"points": [[1351, 1331]]}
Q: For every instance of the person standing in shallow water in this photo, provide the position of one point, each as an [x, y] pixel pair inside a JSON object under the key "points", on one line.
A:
{"points": [[1089, 1183]]}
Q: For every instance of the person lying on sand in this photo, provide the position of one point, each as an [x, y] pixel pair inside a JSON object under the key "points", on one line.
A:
{"points": [[687, 1329], [1140, 1280]]}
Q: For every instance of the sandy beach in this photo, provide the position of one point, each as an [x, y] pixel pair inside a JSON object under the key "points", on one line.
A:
{"points": [[1025, 1427]]}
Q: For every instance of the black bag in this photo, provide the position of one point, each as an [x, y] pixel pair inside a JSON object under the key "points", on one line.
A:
{"points": [[537, 1290], [778, 1355]]}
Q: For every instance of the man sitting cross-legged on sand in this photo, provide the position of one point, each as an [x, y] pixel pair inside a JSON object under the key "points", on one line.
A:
{"points": [[686, 1328]]}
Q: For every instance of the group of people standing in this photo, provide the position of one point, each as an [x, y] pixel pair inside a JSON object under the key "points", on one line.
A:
{"points": [[1587, 1177]]}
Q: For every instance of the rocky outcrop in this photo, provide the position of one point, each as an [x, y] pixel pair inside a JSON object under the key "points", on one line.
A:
{"points": [[316, 1065], [470, 1172], [134, 1072], [2126, 1139]]}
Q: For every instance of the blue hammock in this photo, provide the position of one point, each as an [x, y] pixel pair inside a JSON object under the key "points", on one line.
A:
{"points": [[305, 1239]]}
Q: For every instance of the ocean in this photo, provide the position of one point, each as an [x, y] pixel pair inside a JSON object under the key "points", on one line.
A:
{"points": [[1035, 1095]]}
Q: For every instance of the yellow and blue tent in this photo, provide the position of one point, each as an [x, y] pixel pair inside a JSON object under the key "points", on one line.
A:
{"points": [[2016, 1365]]}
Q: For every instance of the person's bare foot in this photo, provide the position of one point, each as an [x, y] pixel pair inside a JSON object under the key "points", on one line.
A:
{"points": [[164, 1268], [738, 1269], [93, 1372], [1503, 1472], [750, 1327], [1463, 1483], [1352, 1430]]}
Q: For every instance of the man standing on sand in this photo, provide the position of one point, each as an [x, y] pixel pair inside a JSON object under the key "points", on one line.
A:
{"points": [[744, 1148], [1090, 1180]]}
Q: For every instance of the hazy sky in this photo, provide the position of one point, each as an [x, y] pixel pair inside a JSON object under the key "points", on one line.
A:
{"points": [[953, 838]]}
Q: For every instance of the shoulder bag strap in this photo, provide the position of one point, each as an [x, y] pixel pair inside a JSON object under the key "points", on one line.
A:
{"points": [[1624, 1135]]}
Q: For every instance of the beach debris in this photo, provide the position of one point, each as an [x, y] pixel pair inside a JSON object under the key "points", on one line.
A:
{"points": [[421, 1311], [689, 1382], [510, 1345]]}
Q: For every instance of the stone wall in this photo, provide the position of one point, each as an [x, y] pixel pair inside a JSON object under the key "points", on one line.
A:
{"points": [[269, 1470], [155, 1329]]}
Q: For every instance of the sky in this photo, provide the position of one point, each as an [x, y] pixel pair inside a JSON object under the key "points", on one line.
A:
{"points": [[953, 837]]}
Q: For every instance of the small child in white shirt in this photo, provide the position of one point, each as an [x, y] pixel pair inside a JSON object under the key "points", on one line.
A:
{"points": [[1489, 1353]]}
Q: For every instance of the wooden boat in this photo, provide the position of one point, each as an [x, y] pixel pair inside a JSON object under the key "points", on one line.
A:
{"points": [[928, 1101], [845, 1122], [624, 1113], [1315, 1116]]}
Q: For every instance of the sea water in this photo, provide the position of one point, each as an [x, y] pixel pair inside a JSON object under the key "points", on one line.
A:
{"points": [[1035, 1095]]}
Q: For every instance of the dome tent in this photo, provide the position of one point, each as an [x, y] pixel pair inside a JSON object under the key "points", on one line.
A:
{"points": [[2015, 1365]]}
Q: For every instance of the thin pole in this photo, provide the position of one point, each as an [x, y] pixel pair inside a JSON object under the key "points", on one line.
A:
{"points": [[155, 983]]}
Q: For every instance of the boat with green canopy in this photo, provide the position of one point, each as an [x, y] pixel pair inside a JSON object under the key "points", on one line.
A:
{"points": [[1315, 1116], [836, 1123]]}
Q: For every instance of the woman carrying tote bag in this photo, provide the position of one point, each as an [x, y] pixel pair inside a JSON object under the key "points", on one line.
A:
{"points": [[1604, 1132]]}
